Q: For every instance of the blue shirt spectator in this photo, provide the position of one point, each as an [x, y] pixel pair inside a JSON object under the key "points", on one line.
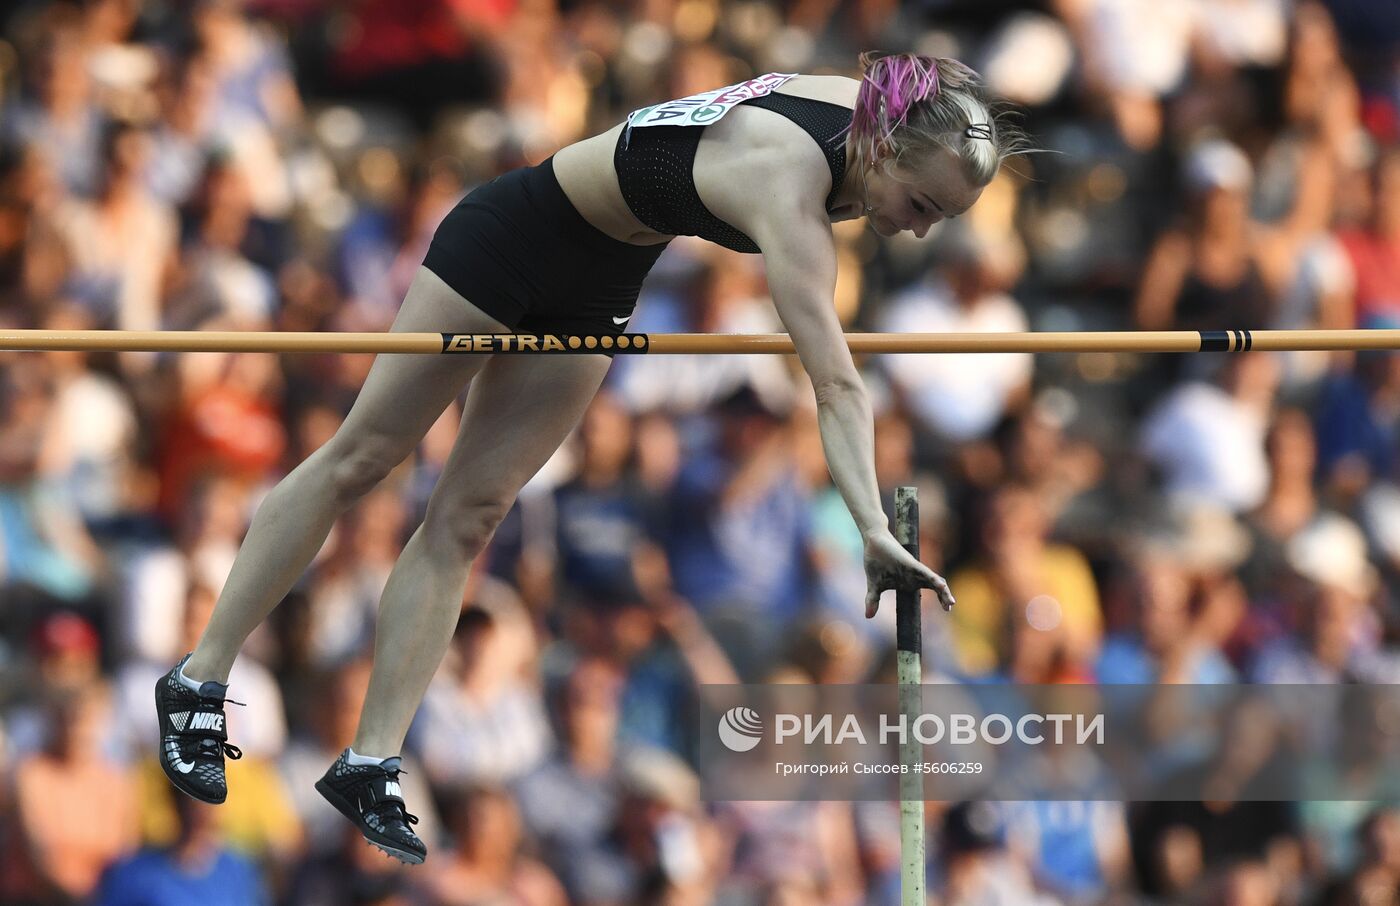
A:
{"points": [[739, 526], [598, 528], [158, 878], [1354, 430]]}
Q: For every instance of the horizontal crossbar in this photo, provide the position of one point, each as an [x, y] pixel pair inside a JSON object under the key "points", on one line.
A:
{"points": [[694, 343]]}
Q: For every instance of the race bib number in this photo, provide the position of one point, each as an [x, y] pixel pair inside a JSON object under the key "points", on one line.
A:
{"points": [[708, 106]]}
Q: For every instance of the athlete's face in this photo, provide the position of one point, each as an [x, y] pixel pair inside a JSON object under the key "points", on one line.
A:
{"points": [[916, 196]]}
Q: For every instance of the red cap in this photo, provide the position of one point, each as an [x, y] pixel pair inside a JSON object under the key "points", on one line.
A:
{"points": [[64, 633]]}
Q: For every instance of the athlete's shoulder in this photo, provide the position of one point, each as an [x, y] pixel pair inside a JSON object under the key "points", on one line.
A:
{"points": [[754, 188], [708, 107]]}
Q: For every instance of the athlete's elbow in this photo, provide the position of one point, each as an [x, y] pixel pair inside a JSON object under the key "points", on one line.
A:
{"points": [[837, 388]]}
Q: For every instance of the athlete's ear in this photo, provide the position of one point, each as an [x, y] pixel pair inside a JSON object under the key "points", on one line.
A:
{"points": [[884, 158]]}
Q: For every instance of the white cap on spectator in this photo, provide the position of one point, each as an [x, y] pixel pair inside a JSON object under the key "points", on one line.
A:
{"points": [[1028, 59], [1380, 514], [1325, 267], [1331, 551], [657, 774], [1218, 164], [1199, 535]]}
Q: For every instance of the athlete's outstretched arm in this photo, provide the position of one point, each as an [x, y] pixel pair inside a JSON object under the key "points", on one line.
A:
{"points": [[800, 256]]}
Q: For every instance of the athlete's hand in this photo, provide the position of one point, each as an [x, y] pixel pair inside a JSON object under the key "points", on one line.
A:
{"points": [[889, 565]]}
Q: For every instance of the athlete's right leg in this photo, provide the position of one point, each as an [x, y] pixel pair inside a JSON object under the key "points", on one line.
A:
{"points": [[401, 398]]}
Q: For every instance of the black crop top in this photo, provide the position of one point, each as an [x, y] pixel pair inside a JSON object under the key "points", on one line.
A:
{"points": [[655, 168]]}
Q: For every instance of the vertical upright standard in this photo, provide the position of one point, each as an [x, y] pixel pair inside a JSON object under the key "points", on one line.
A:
{"points": [[907, 639]]}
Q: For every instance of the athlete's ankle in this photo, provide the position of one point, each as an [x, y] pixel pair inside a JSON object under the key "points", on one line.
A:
{"points": [[196, 672], [358, 758]]}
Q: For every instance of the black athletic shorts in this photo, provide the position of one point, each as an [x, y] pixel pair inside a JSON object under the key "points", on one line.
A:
{"points": [[518, 249]]}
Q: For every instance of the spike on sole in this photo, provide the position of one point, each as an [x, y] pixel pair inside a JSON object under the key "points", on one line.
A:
{"points": [[389, 851]]}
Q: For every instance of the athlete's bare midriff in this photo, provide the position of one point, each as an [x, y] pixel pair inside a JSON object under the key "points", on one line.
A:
{"points": [[586, 174]]}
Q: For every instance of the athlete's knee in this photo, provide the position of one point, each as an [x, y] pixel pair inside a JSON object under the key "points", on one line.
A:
{"points": [[357, 464], [464, 527]]}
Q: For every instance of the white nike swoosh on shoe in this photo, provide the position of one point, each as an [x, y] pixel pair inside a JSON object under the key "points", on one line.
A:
{"points": [[621, 321], [172, 750]]}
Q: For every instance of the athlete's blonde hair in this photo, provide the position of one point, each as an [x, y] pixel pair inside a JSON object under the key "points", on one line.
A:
{"points": [[909, 105]]}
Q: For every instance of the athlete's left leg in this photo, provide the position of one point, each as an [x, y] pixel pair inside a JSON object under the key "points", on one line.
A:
{"points": [[518, 411]]}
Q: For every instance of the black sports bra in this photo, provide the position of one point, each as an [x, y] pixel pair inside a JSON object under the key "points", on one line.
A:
{"points": [[655, 168]]}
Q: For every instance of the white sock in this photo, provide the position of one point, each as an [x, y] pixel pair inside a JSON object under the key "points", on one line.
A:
{"points": [[180, 675], [354, 757]]}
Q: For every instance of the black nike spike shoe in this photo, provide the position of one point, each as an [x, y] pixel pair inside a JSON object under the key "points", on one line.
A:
{"points": [[193, 738], [369, 795]]}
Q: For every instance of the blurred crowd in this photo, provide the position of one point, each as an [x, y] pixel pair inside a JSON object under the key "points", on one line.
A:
{"points": [[281, 165]]}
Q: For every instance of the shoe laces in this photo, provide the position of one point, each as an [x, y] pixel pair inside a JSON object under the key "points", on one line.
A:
{"points": [[212, 747]]}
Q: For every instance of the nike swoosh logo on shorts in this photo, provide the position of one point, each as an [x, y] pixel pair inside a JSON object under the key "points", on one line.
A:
{"points": [[172, 750], [621, 321]]}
